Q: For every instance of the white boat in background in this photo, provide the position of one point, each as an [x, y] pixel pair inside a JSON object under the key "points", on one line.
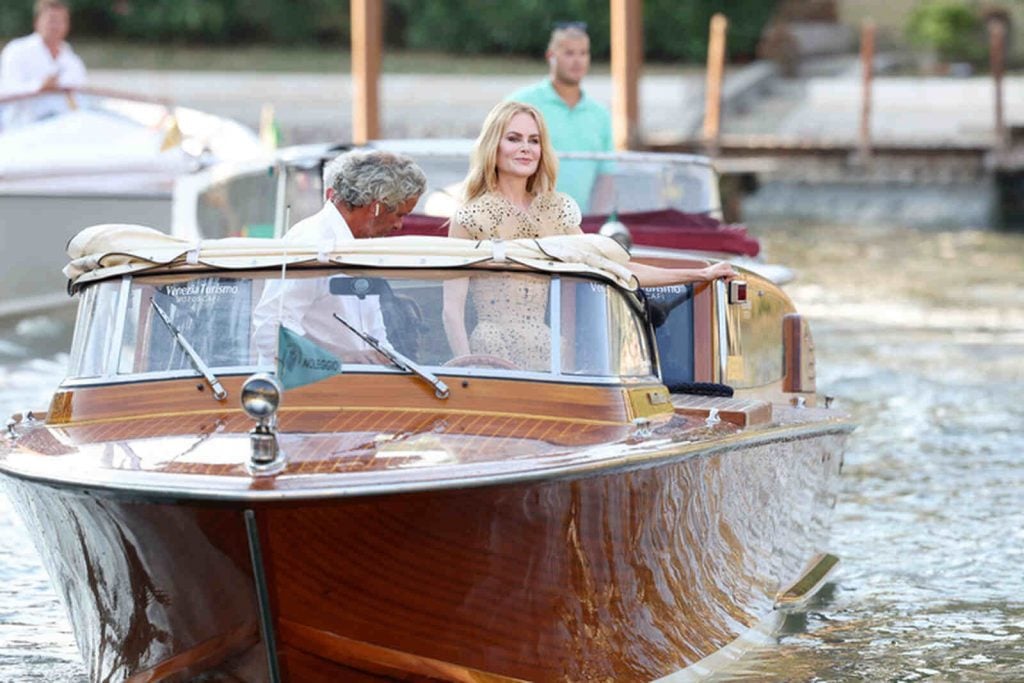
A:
{"points": [[107, 157], [662, 201]]}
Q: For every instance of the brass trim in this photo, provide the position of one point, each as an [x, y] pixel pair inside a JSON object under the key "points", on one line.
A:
{"points": [[207, 653], [804, 587], [60, 407], [137, 483], [372, 658], [648, 401]]}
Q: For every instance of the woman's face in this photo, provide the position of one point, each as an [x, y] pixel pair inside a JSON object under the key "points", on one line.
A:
{"points": [[519, 149]]}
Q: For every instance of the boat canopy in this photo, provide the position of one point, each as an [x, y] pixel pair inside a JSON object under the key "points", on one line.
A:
{"points": [[107, 251]]}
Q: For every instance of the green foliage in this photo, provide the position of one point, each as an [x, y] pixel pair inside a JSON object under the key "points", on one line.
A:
{"points": [[486, 26], [293, 22], [169, 21], [222, 21], [673, 29], [949, 27], [208, 22], [15, 18], [679, 30]]}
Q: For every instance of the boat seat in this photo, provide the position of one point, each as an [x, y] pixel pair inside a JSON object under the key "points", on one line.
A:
{"points": [[742, 412]]}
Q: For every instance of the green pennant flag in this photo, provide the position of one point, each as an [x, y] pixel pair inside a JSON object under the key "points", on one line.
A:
{"points": [[301, 361]]}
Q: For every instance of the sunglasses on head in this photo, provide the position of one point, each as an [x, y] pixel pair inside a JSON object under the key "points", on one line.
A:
{"points": [[578, 25]]}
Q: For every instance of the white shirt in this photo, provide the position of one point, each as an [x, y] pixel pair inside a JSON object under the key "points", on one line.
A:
{"points": [[324, 228], [308, 302], [25, 64]]}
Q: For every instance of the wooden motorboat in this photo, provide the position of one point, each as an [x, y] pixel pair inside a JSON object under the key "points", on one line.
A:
{"points": [[661, 200], [97, 156], [630, 489]]}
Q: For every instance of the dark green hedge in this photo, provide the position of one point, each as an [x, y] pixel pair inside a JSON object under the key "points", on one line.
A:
{"points": [[195, 21], [673, 29]]}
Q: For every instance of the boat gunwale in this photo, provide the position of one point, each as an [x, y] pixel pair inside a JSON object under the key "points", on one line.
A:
{"points": [[160, 492]]}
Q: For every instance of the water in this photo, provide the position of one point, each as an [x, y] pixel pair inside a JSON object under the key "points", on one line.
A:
{"points": [[921, 336], [36, 643]]}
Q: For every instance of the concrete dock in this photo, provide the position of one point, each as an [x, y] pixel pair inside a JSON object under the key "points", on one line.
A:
{"points": [[808, 125], [824, 104]]}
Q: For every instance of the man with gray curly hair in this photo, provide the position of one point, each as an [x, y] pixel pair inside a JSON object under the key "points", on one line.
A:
{"points": [[368, 193]]}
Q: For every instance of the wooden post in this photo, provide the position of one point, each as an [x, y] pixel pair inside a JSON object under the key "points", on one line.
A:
{"points": [[713, 87], [997, 53], [867, 61], [627, 55], [366, 42]]}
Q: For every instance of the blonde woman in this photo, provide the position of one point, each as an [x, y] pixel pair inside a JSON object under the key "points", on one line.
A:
{"points": [[509, 194]]}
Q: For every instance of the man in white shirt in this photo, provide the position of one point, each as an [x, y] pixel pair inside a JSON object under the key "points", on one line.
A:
{"points": [[39, 63], [368, 195]]}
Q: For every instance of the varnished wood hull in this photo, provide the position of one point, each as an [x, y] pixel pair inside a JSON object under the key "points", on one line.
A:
{"points": [[627, 573]]}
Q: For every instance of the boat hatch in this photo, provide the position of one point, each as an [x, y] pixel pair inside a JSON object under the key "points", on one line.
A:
{"points": [[516, 324]]}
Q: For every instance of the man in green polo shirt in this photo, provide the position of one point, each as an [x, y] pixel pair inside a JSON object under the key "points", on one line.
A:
{"points": [[575, 122]]}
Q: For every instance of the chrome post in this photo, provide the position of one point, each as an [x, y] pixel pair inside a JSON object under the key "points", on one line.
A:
{"points": [[712, 419], [261, 397], [642, 428], [267, 456]]}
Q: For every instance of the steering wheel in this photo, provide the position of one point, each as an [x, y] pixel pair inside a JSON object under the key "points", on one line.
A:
{"points": [[480, 360]]}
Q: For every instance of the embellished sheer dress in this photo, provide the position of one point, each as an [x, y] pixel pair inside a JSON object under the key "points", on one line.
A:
{"points": [[510, 318]]}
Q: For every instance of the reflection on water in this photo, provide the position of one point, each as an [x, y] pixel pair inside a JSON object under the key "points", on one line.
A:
{"points": [[921, 336], [35, 639]]}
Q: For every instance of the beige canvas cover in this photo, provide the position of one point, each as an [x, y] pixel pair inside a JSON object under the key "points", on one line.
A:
{"points": [[105, 251]]}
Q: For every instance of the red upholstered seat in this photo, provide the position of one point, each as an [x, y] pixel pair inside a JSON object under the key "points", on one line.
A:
{"points": [[665, 228], [672, 229]]}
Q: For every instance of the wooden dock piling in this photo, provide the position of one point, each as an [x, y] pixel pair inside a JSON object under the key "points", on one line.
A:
{"points": [[867, 60], [713, 88], [997, 64]]}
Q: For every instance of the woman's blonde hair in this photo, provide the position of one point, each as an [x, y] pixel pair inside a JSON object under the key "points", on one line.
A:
{"points": [[483, 166]]}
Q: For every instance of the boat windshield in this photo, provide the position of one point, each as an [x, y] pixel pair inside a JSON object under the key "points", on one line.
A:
{"points": [[243, 200], [454, 322]]}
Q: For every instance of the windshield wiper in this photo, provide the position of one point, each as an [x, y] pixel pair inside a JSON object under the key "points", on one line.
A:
{"points": [[399, 360], [219, 392]]}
